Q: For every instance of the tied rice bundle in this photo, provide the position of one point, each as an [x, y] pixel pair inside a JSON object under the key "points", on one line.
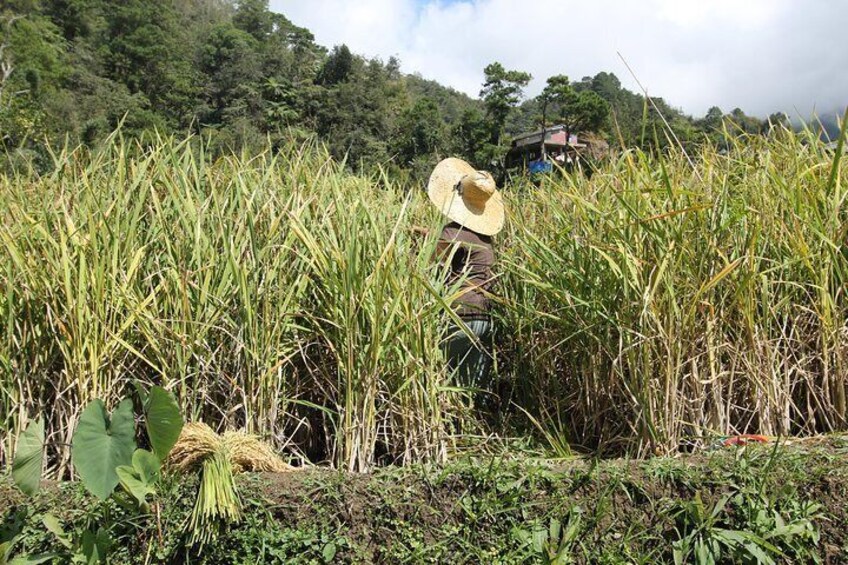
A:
{"points": [[218, 458], [245, 452]]}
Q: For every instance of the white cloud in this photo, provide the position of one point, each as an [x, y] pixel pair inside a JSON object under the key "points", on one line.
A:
{"points": [[760, 55], [751, 14]]}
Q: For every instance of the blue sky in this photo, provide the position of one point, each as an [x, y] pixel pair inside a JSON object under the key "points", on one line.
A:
{"points": [[760, 55]]}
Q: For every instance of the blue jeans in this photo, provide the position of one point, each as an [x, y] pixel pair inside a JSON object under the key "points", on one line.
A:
{"points": [[469, 360]]}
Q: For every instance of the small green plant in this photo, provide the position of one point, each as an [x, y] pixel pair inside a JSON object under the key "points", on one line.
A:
{"points": [[745, 529], [556, 544], [705, 542], [790, 528], [11, 533], [89, 547]]}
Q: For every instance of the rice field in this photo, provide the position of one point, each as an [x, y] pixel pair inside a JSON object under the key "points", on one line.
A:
{"points": [[653, 305]]}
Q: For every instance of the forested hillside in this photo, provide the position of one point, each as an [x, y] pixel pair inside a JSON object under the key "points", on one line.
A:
{"points": [[235, 72]]}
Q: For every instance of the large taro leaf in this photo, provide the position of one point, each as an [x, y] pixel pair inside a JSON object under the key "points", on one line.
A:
{"points": [[26, 469], [164, 421], [101, 444]]}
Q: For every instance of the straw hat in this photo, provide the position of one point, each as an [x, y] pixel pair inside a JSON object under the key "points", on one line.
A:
{"points": [[467, 196]]}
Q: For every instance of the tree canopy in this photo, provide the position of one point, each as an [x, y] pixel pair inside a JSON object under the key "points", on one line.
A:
{"points": [[501, 92], [583, 110], [239, 74]]}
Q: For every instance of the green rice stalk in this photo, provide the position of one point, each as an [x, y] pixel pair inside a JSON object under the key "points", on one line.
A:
{"points": [[217, 501]]}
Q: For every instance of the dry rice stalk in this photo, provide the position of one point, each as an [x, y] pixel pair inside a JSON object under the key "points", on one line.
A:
{"points": [[245, 452], [197, 442], [248, 453]]}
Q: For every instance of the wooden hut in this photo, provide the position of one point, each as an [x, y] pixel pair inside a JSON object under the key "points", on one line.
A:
{"points": [[559, 146]]}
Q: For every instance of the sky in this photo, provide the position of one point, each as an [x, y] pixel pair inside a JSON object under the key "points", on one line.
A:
{"points": [[759, 55]]}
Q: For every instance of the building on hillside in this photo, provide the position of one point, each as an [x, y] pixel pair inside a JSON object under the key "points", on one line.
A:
{"points": [[560, 147]]}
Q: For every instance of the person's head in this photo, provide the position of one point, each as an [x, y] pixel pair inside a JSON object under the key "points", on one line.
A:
{"points": [[467, 196]]}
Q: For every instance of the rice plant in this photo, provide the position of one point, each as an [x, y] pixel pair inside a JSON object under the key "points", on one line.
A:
{"points": [[268, 292], [656, 304], [641, 307]]}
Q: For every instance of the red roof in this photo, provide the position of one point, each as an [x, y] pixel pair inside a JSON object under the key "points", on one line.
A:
{"points": [[558, 137]]}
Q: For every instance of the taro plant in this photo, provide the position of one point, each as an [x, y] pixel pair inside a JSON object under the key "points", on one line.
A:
{"points": [[26, 469], [102, 443], [105, 454], [164, 424], [140, 478]]}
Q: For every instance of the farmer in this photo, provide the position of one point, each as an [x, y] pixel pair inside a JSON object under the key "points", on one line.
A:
{"points": [[470, 200]]}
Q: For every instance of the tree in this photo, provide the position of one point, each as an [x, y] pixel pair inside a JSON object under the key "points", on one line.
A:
{"points": [[32, 68], [393, 68], [146, 52], [253, 17], [6, 63], [777, 120], [76, 18], [293, 51], [501, 92], [231, 61], [421, 131], [470, 138], [280, 103], [357, 108], [588, 113], [606, 85], [557, 93], [451, 103], [337, 67], [713, 118], [742, 123], [577, 111]]}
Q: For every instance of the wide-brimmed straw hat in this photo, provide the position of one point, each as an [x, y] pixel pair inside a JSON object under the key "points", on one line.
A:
{"points": [[467, 196]]}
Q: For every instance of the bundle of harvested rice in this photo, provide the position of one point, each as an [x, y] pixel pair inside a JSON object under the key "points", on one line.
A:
{"points": [[245, 452], [218, 457]]}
